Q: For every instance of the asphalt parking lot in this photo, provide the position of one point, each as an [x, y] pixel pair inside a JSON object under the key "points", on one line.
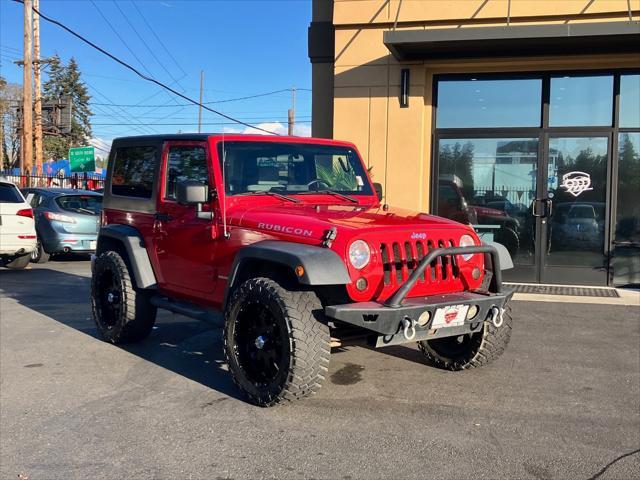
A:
{"points": [[563, 402]]}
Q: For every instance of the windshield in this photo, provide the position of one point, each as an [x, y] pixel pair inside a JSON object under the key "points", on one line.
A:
{"points": [[89, 204], [291, 168]]}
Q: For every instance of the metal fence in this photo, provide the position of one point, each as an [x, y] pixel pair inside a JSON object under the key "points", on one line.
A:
{"points": [[82, 181]]}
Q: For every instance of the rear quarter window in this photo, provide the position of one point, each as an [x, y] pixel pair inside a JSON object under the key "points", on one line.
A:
{"points": [[133, 172], [10, 194]]}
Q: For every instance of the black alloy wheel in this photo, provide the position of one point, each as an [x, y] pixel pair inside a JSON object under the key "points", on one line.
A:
{"points": [[261, 344]]}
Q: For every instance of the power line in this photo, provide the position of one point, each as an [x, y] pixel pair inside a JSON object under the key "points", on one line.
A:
{"points": [[104, 17], [174, 117], [137, 72], [193, 124], [144, 42], [124, 42], [205, 103], [152, 30], [125, 115]]}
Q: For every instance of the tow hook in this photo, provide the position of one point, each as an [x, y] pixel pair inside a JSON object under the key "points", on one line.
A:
{"points": [[497, 316], [409, 328]]}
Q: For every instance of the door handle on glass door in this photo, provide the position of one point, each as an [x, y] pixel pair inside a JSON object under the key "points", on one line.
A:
{"points": [[534, 210], [548, 207]]}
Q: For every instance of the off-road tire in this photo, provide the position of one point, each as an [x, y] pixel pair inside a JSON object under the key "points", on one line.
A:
{"points": [[19, 263], [509, 237], [130, 316], [299, 319], [482, 348], [39, 255]]}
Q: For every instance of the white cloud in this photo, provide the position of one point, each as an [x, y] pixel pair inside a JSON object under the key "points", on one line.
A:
{"points": [[300, 130]]}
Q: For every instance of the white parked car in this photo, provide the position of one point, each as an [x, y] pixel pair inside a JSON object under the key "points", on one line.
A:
{"points": [[17, 227]]}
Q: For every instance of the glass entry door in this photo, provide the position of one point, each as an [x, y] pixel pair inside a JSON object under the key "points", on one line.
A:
{"points": [[572, 210], [492, 183]]}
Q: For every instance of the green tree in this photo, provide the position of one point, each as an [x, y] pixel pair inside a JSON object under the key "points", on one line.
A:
{"points": [[65, 82]]}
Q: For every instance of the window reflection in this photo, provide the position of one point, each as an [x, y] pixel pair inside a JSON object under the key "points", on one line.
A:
{"points": [[489, 103], [578, 185], [490, 183], [630, 101], [628, 211], [581, 101]]}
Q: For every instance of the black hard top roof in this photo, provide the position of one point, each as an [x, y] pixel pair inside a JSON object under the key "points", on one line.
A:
{"points": [[166, 136]]}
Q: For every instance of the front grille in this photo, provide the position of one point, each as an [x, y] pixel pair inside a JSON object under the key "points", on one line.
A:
{"points": [[400, 259]]}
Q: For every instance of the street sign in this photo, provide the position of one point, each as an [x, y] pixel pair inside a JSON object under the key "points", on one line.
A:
{"points": [[82, 159]]}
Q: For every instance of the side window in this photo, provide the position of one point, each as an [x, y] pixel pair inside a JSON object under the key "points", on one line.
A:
{"points": [[185, 163], [34, 199], [133, 172]]}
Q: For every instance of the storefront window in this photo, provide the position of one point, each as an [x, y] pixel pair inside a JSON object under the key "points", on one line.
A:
{"points": [[479, 103], [628, 212], [630, 101], [490, 183], [581, 101]]}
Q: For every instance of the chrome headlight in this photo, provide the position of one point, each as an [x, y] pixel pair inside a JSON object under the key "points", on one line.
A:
{"points": [[359, 254], [467, 241]]}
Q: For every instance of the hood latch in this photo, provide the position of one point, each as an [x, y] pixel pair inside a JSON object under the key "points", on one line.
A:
{"points": [[329, 236]]}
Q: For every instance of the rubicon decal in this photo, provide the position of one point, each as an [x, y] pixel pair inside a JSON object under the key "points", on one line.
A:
{"points": [[286, 229]]}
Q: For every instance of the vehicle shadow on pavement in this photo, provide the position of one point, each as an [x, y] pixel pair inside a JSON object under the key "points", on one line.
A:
{"points": [[187, 347]]}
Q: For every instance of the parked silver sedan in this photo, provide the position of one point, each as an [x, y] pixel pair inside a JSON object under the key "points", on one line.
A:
{"points": [[67, 220]]}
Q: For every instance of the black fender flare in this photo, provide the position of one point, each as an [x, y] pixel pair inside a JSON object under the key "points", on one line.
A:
{"points": [[506, 262], [322, 266], [133, 243]]}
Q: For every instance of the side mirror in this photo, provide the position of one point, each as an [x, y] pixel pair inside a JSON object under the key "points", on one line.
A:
{"points": [[192, 192], [378, 188]]}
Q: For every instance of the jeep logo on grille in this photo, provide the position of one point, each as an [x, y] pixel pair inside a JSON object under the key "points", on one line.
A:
{"points": [[418, 236]]}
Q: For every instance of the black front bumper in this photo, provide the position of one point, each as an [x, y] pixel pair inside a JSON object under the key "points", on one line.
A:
{"points": [[389, 319], [389, 322]]}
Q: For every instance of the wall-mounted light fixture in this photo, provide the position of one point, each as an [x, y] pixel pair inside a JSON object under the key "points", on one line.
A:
{"points": [[404, 88]]}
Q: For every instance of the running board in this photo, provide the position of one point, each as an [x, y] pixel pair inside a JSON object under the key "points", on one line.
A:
{"points": [[188, 310]]}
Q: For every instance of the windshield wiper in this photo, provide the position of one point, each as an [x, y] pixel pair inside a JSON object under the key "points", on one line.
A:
{"points": [[86, 210], [331, 192], [272, 194]]}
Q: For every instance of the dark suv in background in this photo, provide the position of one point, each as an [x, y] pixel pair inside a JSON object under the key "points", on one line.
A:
{"points": [[67, 220]]}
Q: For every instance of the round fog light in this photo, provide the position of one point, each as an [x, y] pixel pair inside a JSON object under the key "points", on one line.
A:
{"points": [[472, 312], [361, 284], [424, 318]]}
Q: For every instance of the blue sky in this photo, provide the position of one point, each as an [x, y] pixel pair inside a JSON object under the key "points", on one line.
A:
{"points": [[244, 48]]}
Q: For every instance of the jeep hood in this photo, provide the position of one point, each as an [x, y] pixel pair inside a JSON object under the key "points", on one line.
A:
{"points": [[318, 219]]}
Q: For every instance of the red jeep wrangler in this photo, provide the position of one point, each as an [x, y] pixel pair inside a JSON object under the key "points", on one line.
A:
{"points": [[289, 238]]}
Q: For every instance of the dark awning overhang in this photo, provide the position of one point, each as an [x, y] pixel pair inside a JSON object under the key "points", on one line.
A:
{"points": [[524, 40]]}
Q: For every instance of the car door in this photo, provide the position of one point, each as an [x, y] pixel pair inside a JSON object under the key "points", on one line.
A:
{"points": [[184, 244]]}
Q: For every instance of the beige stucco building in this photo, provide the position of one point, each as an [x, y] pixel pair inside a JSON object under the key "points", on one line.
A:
{"points": [[407, 81]]}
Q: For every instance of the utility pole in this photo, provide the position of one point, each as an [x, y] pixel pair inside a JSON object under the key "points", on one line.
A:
{"points": [[38, 94], [291, 117], [200, 106], [26, 147]]}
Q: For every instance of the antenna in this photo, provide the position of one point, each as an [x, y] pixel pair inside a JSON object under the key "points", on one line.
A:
{"points": [[225, 232]]}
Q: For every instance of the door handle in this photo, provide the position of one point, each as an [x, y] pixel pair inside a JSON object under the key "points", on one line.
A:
{"points": [[534, 210], [162, 217], [537, 211]]}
